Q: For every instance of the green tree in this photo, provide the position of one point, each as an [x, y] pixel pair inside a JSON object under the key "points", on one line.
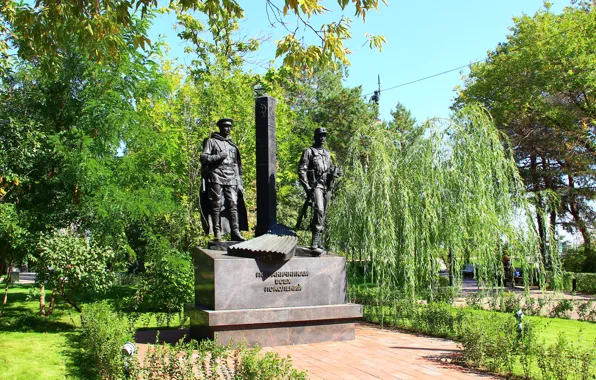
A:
{"points": [[66, 134], [44, 28], [455, 188], [539, 88], [72, 268]]}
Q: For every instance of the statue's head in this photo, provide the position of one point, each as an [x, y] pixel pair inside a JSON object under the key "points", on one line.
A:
{"points": [[320, 136], [225, 126]]}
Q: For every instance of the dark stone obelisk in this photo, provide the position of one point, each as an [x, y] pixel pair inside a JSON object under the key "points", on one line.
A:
{"points": [[266, 163]]}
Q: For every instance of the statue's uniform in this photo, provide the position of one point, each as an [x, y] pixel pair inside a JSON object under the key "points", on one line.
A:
{"points": [[314, 171], [223, 178]]}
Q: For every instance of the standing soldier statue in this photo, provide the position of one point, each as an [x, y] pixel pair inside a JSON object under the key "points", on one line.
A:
{"points": [[317, 173], [222, 201]]}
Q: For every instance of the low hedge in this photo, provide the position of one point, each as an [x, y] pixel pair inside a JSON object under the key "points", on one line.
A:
{"points": [[103, 334], [489, 340], [586, 282]]}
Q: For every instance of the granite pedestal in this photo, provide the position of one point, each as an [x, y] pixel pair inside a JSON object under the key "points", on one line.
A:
{"points": [[303, 300]]}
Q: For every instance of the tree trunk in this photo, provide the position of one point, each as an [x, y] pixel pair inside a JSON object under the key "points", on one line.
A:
{"points": [[553, 220], [574, 210], [539, 208], [548, 184], [52, 298], [7, 280], [42, 300]]}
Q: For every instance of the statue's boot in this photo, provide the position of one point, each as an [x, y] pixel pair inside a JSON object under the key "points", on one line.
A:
{"points": [[236, 235], [216, 227], [315, 245]]}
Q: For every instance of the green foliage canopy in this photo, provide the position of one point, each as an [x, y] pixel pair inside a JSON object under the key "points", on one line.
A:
{"points": [[451, 187], [72, 267], [43, 29], [539, 87]]}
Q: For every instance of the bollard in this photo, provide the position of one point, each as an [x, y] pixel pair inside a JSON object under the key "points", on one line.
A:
{"points": [[520, 327], [128, 351]]}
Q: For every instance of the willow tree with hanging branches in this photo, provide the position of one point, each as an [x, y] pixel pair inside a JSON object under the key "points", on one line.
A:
{"points": [[411, 196]]}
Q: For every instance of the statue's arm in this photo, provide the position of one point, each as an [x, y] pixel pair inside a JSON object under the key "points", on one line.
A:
{"points": [[303, 169], [239, 161], [210, 153]]}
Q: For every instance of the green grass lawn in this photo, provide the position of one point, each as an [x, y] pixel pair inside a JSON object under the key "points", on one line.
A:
{"points": [[32, 346], [34, 355], [581, 332], [37, 347]]}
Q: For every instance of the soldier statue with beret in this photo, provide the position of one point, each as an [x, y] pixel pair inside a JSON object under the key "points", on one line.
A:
{"points": [[316, 173], [222, 201]]}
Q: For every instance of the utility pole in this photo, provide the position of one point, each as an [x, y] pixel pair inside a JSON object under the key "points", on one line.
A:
{"points": [[377, 94]]}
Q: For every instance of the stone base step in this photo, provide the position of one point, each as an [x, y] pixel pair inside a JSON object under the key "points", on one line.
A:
{"points": [[276, 326]]}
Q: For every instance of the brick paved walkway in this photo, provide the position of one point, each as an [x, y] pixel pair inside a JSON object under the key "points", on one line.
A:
{"points": [[378, 354], [374, 354]]}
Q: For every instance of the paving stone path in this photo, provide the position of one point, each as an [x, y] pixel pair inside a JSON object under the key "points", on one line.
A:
{"points": [[375, 354], [379, 354]]}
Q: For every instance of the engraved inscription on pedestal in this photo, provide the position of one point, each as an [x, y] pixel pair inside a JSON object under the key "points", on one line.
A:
{"points": [[283, 284], [226, 282]]}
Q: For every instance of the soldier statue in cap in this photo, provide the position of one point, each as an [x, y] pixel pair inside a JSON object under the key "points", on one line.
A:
{"points": [[222, 201], [317, 173]]}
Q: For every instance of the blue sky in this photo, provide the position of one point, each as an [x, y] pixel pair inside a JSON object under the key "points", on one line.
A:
{"points": [[423, 38]]}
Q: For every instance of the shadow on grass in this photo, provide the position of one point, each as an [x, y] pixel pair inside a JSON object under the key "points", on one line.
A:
{"points": [[119, 296], [77, 365], [34, 323]]}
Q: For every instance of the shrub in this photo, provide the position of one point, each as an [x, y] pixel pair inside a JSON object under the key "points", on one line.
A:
{"points": [[103, 334], [567, 281], [168, 284], [445, 294], [73, 268], [586, 282], [564, 360], [574, 260], [585, 311], [475, 300], [562, 309], [443, 281], [531, 306], [209, 360], [510, 303], [490, 340], [437, 318]]}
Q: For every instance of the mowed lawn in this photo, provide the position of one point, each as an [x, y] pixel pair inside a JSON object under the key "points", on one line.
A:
{"points": [[582, 333], [32, 355], [32, 346], [37, 347]]}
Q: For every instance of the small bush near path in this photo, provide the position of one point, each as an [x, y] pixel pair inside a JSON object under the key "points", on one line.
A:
{"points": [[545, 348], [103, 334], [105, 331], [209, 360]]}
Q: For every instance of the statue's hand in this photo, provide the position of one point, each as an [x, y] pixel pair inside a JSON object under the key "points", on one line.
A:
{"points": [[241, 189], [309, 191], [222, 155], [339, 172]]}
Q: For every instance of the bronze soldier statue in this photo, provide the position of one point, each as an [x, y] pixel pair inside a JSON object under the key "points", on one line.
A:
{"points": [[317, 173], [222, 202]]}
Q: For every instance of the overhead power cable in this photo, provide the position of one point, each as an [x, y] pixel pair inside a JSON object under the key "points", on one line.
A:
{"points": [[468, 65]]}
